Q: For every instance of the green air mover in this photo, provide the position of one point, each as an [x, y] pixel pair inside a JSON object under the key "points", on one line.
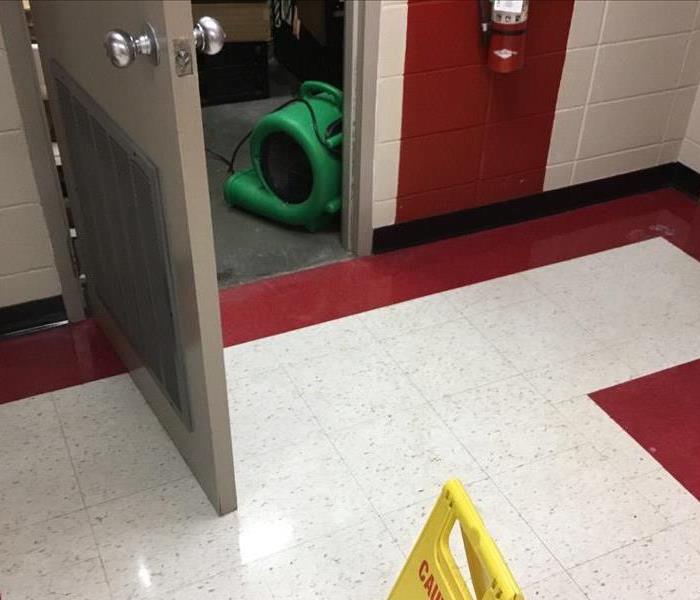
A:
{"points": [[296, 156]]}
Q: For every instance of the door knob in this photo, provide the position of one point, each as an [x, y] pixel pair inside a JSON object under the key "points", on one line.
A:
{"points": [[122, 48], [209, 36]]}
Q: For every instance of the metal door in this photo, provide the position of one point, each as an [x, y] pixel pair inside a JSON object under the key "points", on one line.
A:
{"points": [[132, 145]]}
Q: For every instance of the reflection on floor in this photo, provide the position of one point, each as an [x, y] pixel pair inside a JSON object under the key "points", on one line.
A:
{"points": [[249, 247], [344, 432]]}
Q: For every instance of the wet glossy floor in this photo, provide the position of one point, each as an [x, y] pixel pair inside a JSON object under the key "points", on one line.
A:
{"points": [[475, 361]]}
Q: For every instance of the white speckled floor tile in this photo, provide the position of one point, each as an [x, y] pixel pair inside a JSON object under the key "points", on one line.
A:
{"points": [[37, 481], [117, 445], [358, 562], [535, 334], [267, 413], [635, 302], [373, 413], [668, 496], [660, 566], [605, 435], [42, 549], [683, 343], [317, 372], [690, 532], [579, 506], [294, 495], [395, 319], [162, 539], [343, 390], [559, 587], [494, 294], [570, 276], [643, 354], [583, 468], [581, 375], [507, 424], [240, 583], [576, 530], [252, 358], [79, 581], [448, 358], [409, 457]]}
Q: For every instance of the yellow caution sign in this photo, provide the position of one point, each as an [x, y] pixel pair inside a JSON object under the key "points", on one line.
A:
{"points": [[431, 572]]}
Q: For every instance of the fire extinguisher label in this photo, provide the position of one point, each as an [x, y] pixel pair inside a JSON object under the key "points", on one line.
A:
{"points": [[510, 6]]}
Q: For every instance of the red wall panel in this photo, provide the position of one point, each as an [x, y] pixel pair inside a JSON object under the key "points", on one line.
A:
{"points": [[517, 145], [439, 160], [437, 202], [438, 36], [530, 91], [469, 136], [444, 100]]}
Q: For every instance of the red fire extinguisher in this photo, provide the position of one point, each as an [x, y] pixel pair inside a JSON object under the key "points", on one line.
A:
{"points": [[507, 27]]}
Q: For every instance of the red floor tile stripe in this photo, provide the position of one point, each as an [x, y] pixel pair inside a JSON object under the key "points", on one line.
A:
{"points": [[55, 359], [662, 412], [79, 353], [280, 304]]}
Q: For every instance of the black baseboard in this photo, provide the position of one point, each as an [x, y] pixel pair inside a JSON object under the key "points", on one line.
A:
{"points": [[686, 180], [543, 204], [31, 315]]}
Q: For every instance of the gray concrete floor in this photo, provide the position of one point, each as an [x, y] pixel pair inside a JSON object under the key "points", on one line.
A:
{"points": [[250, 247]]}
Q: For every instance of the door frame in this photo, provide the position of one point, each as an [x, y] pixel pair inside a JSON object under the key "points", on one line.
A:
{"points": [[360, 69], [20, 55]]}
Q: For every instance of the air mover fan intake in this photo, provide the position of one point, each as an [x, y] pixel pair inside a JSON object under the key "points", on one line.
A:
{"points": [[286, 168], [295, 151]]}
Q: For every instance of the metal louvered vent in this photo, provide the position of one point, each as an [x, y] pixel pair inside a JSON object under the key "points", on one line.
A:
{"points": [[123, 244]]}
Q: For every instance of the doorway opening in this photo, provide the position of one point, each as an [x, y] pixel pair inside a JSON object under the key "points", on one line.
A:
{"points": [[272, 48]]}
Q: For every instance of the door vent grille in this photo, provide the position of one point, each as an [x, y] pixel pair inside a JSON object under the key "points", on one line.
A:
{"points": [[115, 193]]}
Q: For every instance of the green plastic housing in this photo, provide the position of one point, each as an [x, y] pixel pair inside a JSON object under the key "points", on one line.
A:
{"points": [[249, 190]]}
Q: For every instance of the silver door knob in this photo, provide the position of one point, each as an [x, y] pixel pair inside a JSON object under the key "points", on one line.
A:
{"points": [[122, 48], [209, 36]]}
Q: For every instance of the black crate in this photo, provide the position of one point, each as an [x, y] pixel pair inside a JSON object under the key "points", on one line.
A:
{"points": [[237, 73], [304, 56]]}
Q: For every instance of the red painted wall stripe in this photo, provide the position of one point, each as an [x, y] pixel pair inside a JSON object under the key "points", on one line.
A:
{"points": [[471, 137]]}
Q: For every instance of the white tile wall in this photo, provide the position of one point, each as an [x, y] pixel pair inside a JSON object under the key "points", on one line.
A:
{"points": [[633, 19], [576, 77], [24, 240], [633, 67], [27, 270], [614, 164], [386, 170], [384, 213], [565, 134], [691, 68], [392, 38], [585, 24], [614, 126], [669, 152], [389, 108], [39, 283], [16, 175], [557, 176], [690, 154], [680, 113], [392, 54], [639, 67]]}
